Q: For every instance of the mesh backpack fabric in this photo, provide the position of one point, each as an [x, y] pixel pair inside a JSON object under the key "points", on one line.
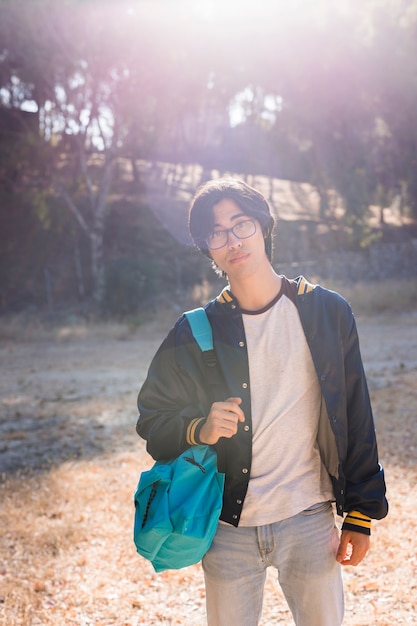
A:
{"points": [[178, 502]]}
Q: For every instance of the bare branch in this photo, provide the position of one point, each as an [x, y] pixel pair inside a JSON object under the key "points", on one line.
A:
{"points": [[73, 208], [85, 173], [105, 186]]}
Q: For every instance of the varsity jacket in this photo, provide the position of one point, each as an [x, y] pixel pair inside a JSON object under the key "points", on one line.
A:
{"points": [[178, 392]]}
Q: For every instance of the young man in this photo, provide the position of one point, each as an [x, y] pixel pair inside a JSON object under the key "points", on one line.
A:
{"points": [[292, 424]]}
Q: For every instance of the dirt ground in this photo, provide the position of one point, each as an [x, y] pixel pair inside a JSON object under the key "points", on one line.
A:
{"points": [[70, 460]]}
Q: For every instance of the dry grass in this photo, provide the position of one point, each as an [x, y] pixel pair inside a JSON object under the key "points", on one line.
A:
{"points": [[66, 551], [68, 555], [30, 327], [373, 298], [390, 296]]}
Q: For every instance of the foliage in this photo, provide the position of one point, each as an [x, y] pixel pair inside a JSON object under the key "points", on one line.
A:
{"points": [[320, 96]]}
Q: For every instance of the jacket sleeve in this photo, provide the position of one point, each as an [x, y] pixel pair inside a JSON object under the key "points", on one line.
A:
{"points": [[171, 402], [364, 476]]}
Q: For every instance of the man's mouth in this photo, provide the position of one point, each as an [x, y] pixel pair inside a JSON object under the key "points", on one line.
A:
{"points": [[238, 257]]}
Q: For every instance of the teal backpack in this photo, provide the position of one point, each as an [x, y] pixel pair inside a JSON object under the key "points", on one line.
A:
{"points": [[178, 502]]}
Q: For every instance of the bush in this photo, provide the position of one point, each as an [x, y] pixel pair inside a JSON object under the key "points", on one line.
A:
{"points": [[127, 280]]}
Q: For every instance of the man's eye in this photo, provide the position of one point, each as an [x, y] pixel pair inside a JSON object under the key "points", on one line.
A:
{"points": [[240, 225], [217, 234]]}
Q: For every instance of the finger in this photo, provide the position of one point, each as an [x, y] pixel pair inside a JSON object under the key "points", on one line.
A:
{"points": [[342, 552], [227, 429], [352, 560], [226, 411], [353, 548], [221, 416], [358, 554], [353, 557], [223, 428], [237, 402]]}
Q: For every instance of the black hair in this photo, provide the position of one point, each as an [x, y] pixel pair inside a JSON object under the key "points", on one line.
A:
{"points": [[248, 199]]}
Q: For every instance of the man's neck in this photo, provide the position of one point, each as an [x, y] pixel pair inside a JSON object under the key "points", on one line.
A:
{"points": [[255, 292]]}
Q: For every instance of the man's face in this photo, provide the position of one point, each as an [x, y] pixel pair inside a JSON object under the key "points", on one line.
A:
{"points": [[239, 257]]}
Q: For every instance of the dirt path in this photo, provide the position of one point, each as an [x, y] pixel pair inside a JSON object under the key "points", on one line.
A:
{"points": [[66, 556]]}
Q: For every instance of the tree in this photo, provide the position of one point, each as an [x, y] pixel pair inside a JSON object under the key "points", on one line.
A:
{"points": [[326, 98]]}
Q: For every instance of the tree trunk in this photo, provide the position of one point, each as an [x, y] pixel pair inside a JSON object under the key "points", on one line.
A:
{"points": [[97, 234], [97, 266], [95, 230], [78, 267]]}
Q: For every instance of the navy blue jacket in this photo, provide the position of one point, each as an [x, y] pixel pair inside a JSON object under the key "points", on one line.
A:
{"points": [[177, 395]]}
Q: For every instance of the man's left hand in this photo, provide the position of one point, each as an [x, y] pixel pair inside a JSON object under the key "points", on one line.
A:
{"points": [[353, 547]]}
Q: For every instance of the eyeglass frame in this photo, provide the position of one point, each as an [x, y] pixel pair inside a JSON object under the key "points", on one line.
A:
{"points": [[232, 230]]}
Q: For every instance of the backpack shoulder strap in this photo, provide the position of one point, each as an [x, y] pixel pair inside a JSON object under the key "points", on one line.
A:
{"points": [[203, 334], [200, 327]]}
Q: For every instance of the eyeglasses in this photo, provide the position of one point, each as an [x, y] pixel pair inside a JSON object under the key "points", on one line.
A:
{"points": [[242, 230]]}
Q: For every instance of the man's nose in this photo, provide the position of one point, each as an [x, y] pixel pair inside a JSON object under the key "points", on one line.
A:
{"points": [[232, 240]]}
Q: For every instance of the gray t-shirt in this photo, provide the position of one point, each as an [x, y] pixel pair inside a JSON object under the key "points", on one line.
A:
{"points": [[287, 474]]}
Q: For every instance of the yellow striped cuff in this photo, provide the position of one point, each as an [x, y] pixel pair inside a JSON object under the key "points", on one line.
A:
{"points": [[355, 518], [192, 427]]}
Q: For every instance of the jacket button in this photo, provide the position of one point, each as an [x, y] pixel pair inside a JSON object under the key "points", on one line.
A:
{"points": [[233, 306], [244, 385], [246, 427], [241, 344], [334, 419], [234, 516], [238, 501], [245, 470], [323, 377]]}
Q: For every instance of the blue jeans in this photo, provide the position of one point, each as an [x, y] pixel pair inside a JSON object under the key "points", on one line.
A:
{"points": [[303, 550]]}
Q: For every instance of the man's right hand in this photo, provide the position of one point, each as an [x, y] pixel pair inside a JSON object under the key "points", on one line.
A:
{"points": [[222, 421]]}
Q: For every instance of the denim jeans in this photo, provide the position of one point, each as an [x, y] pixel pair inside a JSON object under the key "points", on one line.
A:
{"points": [[302, 549]]}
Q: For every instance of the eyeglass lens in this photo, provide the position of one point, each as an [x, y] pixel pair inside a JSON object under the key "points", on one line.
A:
{"points": [[241, 230]]}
